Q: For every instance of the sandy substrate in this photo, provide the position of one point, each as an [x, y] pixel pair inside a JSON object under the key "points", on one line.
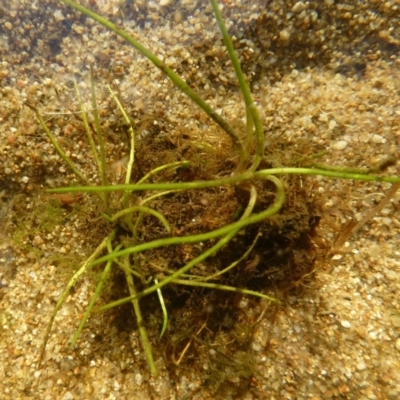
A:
{"points": [[323, 72]]}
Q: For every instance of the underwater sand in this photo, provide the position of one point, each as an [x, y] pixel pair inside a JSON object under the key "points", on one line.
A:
{"points": [[322, 72]]}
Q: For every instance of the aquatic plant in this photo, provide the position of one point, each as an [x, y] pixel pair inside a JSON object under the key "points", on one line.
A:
{"points": [[253, 212]]}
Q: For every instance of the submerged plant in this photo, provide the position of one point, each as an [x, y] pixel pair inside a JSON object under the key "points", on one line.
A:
{"points": [[253, 212]]}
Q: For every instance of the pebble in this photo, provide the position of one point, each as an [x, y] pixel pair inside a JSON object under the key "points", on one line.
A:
{"points": [[138, 379], [395, 320], [256, 346], [68, 396], [284, 35], [37, 241], [387, 221], [298, 7], [378, 139], [345, 324], [339, 145], [398, 344], [361, 366]]}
